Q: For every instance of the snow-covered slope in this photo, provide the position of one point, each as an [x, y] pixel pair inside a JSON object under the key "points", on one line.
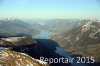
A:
{"points": [[12, 58]]}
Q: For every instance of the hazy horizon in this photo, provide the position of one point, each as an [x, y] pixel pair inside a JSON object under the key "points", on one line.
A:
{"points": [[50, 9]]}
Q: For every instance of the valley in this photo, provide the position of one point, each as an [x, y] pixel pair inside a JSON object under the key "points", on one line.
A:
{"points": [[54, 39]]}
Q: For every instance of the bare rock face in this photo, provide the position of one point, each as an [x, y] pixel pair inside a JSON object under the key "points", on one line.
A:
{"points": [[12, 58], [17, 41]]}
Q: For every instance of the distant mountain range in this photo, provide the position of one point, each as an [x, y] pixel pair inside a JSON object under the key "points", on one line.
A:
{"points": [[16, 26], [60, 25]]}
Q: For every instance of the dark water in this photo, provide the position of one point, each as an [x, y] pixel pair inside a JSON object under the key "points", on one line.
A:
{"points": [[45, 40], [52, 49]]}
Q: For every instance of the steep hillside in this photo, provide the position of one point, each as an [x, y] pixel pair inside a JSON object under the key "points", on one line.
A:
{"points": [[12, 58], [83, 39], [88, 33]]}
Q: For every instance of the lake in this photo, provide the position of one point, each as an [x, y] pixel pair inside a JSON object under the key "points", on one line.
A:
{"points": [[42, 35], [46, 35]]}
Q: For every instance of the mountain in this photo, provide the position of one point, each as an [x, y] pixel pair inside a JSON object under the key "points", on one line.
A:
{"points": [[17, 48], [15, 26], [83, 39], [17, 41], [12, 58], [60, 25], [87, 32]]}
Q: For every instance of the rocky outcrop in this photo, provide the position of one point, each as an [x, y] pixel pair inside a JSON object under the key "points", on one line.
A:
{"points": [[17, 41], [12, 58]]}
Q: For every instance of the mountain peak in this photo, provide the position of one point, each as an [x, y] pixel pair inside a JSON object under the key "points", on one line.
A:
{"points": [[10, 19]]}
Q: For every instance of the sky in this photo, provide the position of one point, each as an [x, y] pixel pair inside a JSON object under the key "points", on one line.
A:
{"points": [[50, 9]]}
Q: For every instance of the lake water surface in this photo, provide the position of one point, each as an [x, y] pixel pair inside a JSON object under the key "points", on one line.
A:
{"points": [[42, 35]]}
